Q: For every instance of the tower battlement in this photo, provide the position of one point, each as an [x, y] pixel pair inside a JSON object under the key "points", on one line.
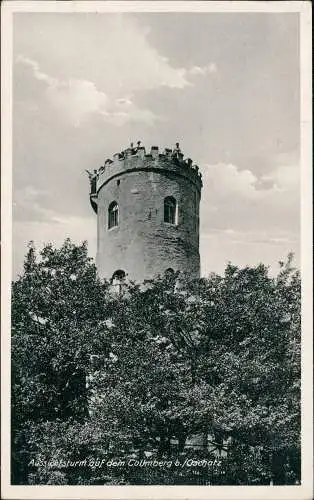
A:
{"points": [[137, 158]]}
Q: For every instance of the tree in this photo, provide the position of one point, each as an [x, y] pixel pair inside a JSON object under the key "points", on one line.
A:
{"points": [[221, 358], [96, 374], [57, 308]]}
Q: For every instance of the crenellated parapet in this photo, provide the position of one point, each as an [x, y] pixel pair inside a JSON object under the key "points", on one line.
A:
{"points": [[137, 159]]}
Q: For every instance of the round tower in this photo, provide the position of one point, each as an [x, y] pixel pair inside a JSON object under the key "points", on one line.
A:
{"points": [[147, 207]]}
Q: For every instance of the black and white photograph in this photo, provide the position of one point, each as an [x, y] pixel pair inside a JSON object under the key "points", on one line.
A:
{"points": [[157, 250]]}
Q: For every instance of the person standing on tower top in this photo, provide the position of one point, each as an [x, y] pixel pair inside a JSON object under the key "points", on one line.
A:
{"points": [[177, 151]]}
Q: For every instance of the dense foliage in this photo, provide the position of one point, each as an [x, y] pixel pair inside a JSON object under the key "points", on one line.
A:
{"points": [[102, 376]]}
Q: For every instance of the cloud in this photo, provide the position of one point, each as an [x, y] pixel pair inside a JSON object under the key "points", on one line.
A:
{"points": [[81, 82], [203, 70], [225, 180], [28, 205], [124, 101], [37, 73], [238, 200], [132, 64], [77, 100], [285, 178]]}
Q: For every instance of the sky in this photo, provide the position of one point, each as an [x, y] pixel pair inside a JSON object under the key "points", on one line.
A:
{"points": [[224, 85]]}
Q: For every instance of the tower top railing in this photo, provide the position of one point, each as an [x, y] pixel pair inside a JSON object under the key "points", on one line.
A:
{"points": [[137, 158]]}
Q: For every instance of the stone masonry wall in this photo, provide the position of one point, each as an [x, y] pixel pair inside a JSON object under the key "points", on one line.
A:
{"points": [[143, 245]]}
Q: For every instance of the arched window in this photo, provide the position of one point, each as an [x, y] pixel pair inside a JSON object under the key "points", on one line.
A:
{"points": [[113, 215], [170, 210], [117, 281], [118, 276], [169, 272]]}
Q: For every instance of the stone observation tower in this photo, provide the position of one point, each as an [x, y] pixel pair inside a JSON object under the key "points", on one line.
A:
{"points": [[147, 207]]}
